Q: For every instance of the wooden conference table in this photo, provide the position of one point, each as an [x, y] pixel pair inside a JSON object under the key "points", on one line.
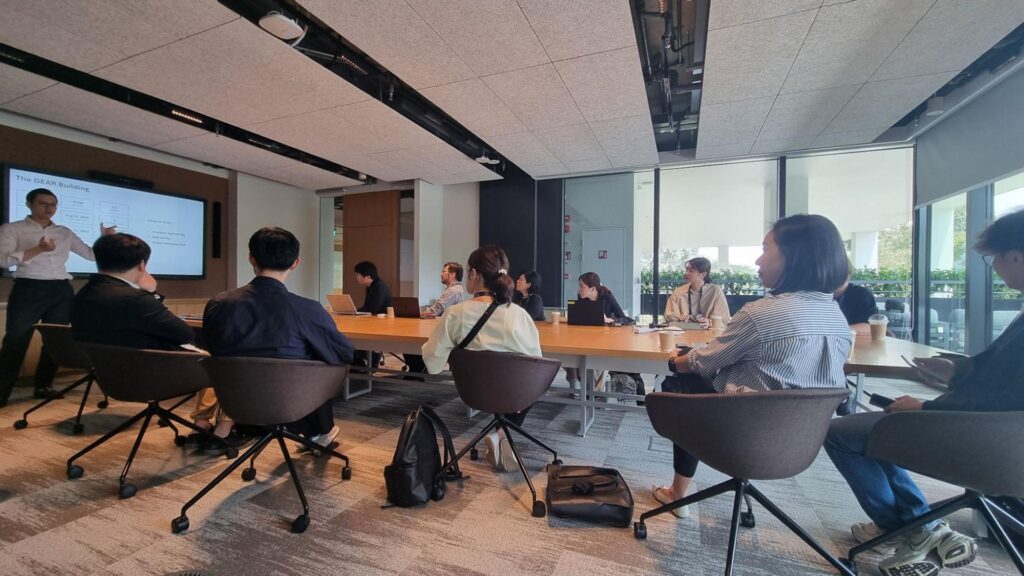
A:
{"points": [[617, 348]]}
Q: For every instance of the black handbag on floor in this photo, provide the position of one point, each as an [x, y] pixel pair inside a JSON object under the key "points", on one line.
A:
{"points": [[591, 494], [410, 478]]}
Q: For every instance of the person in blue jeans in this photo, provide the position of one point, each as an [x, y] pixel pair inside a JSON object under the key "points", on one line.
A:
{"points": [[989, 382]]}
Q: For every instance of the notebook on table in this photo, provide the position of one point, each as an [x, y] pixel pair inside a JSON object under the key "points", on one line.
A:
{"points": [[342, 304]]}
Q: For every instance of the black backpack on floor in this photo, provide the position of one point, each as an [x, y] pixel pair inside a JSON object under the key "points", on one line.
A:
{"points": [[410, 478]]}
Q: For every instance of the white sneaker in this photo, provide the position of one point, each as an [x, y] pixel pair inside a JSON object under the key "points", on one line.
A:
{"points": [[324, 439], [493, 443], [507, 460], [661, 495], [911, 559], [957, 550], [864, 531]]}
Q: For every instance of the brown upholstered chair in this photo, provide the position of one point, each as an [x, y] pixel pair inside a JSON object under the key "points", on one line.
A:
{"points": [[271, 392], [147, 377], [753, 436], [979, 451], [66, 353], [502, 383]]}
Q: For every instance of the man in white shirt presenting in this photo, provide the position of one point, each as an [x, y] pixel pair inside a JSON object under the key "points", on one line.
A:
{"points": [[39, 249]]}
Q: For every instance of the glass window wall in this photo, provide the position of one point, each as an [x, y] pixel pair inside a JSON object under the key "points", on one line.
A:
{"points": [[1008, 196]]}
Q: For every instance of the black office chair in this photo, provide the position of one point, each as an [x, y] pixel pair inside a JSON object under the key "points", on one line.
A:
{"points": [[148, 377], [979, 451], [66, 353], [752, 436], [270, 392], [502, 383]]}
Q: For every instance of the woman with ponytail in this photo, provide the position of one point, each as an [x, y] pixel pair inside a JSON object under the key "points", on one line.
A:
{"points": [[509, 329]]}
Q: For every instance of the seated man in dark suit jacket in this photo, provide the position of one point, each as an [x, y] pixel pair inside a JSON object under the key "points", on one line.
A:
{"points": [[119, 306], [264, 319]]}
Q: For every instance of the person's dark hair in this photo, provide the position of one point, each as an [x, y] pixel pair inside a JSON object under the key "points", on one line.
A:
{"points": [[1003, 235], [491, 263], [366, 268], [274, 248], [893, 304], [120, 252], [454, 268], [33, 194], [532, 278], [815, 257], [594, 281], [702, 265]]}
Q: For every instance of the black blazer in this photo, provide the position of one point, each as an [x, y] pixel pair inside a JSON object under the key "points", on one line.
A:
{"points": [[378, 298], [533, 305], [109, 311]]}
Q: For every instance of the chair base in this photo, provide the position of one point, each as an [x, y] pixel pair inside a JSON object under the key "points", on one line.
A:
{"points": [[991, 511], [152, 409], [77, 427], [741, 488], [301, 522], [539, 509]]}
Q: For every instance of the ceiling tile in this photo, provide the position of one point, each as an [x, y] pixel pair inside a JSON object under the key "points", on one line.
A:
{"points": [[587, 165], [476, 107], [847, 138], [322, 133], [606, 85], [725, 13], [951, 35], [306, 176], [882, 104], [523, 149], [63, 104], [491, 37], [225, 152], [392, 33], [15, 83], [547, 169], [380, 128], [536, 96], [727, 151], [752, 60], [848, 42], [237, 73], [87, 34], [571, 143], [765, 146], [804, 113], [732, 122], [627, 142], [573, 28]]}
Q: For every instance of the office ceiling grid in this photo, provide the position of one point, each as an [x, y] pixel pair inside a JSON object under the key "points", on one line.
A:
{"points": [[542, 82], [832, 73]]}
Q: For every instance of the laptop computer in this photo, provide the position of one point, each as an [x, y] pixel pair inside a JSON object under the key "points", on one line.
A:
{"points": [[687, 325], [406, 307], [342, 304], [585, 313]]}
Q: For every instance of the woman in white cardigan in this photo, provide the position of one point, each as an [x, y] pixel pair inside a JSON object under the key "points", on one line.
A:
{"points": [[699, 299]]}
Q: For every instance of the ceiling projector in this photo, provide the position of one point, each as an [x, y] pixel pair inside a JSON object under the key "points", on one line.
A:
{"points": [[281, 26]]}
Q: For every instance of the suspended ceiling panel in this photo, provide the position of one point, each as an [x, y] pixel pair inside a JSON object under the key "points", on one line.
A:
{"points": [[305, 176], [780, 74], [15, 83], [90, 34], [520, 75]]}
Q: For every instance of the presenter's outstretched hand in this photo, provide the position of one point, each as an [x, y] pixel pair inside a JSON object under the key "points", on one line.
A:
{"points": [[47, 244], [107, 230]]}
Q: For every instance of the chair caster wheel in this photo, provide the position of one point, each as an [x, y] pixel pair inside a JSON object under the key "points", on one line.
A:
{"points": [[78, 428], [640, 530], [852, 566], [248, 475], [473, 453], [231, 453], [75, 471], [22, 424], [163, 423], [179, 524], [346, 473], [539, 509], [180, 440], [102, 404], [300, 524], [747, 519], [126, 491]]}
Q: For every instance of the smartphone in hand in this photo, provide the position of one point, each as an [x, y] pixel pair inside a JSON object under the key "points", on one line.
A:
{"points": [[879, 400]]}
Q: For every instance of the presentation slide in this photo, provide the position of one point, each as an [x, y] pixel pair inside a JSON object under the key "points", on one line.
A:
{"points": [[171, 225]]}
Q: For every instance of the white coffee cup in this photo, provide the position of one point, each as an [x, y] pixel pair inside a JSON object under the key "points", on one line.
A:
{"points": [[556, 317], [391, 311], [667, 340], [717, 323]]}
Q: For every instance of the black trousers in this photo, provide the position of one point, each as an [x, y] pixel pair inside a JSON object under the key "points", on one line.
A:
{"points": [[415, 363], [684, 463], [30, 302], [318, 421]]}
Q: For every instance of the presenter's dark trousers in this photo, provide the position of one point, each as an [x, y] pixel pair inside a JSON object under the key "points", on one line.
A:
{"points": [[30, 302]]}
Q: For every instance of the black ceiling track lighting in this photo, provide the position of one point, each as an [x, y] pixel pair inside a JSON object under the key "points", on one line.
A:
{"points": [[325, 46], [84, 81]]}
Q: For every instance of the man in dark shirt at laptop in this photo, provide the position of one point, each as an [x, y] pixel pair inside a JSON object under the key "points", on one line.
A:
{"points": [[378, 300], [263, 319]]}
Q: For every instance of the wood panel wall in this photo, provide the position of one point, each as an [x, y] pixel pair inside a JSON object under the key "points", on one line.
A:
{"points": [[371, 232], [31, 150]]}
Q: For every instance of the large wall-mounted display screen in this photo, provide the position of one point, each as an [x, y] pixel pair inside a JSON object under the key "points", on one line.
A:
{"points": [[171, 225]]}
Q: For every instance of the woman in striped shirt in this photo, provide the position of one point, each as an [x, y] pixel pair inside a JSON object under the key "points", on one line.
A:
{"points": [[795, 337]]}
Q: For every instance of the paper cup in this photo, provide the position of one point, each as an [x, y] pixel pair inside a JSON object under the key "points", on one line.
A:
{"points": [[556, 317], [717, 323], [667, 340], [391, 311]]}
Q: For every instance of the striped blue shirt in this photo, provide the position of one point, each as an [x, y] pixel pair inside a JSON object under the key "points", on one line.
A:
{"points": [[793, 340]]}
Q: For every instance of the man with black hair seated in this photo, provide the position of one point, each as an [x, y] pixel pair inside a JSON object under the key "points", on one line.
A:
{"points": [[377, 301], [264, 319]]}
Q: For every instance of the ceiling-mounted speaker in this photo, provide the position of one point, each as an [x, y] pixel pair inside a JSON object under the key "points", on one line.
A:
{"points": [[281, 26]]}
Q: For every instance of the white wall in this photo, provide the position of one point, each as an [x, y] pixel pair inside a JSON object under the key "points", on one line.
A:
{"points": [[256, 203], [429, 240], [461, 222]]}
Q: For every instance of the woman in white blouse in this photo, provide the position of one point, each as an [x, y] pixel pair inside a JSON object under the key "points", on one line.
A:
{"points": [[699, 299], [509, 329]]}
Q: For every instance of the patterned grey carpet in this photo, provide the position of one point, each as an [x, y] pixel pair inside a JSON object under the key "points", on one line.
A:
{"points": [[50, 525]]}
